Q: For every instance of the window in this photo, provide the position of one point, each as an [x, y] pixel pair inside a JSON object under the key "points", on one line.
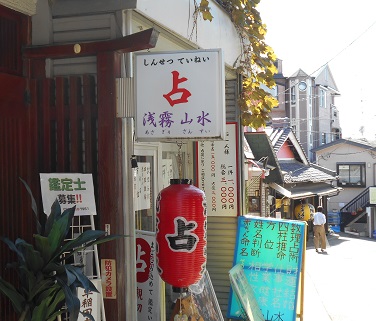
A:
{"points": [[293, 95], [351, 174], [323, 138], [322, 98]]}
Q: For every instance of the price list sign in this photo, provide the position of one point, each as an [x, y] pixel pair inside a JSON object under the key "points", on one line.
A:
{"points": [[270, 252], [217, 173]]}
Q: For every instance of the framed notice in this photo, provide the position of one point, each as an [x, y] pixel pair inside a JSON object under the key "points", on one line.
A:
{"points": [[69, 189], [217, 173], [270, 251], [180, 95]]}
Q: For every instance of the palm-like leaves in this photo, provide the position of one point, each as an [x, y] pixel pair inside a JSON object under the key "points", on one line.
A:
{"points": [[46, 283]]}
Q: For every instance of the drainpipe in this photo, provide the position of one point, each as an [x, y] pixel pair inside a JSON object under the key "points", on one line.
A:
{"points": [[128, 207]]}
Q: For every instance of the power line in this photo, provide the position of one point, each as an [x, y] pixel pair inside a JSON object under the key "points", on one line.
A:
{"points": [[335, 56]]}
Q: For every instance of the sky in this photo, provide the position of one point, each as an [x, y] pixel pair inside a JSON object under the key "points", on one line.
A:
{"points": [[307, 34]]}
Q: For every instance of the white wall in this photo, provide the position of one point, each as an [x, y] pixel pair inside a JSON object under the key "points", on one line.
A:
{"points": [[177, 15]]}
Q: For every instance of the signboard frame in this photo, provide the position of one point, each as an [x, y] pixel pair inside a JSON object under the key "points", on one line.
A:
{"points": [[272, 253], [169, 97]]}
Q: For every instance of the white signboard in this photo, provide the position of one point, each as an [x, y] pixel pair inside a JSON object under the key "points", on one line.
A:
{"points": [[90, 302], [142, 187], [372, 195], [70, 189], [148, 280], [217, 173], [180, 95]]}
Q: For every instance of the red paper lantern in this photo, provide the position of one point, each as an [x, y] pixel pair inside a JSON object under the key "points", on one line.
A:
{"points": [[181, 233]]}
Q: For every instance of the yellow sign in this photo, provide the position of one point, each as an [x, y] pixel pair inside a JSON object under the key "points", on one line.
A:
{"points": [[108, 268]]}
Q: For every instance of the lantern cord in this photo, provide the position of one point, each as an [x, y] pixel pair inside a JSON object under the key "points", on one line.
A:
{"points": [[180, 162], [180, 310]]}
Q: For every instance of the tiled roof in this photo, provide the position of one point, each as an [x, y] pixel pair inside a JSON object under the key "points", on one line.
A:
{"points": [[262, 147], [299, 73], [360, 142], [280, 135], [297, 172]]}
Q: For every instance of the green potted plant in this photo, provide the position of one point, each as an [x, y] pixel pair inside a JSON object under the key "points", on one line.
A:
{"points": [[47, 285]]}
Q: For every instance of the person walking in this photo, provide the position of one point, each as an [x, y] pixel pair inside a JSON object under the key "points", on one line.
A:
{"points": [[319, 238]]}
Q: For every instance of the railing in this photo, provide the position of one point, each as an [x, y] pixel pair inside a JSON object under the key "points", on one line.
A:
{"points": [[361, 201]]}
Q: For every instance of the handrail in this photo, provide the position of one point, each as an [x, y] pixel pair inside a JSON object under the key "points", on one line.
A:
{"points": [[360, 201]]}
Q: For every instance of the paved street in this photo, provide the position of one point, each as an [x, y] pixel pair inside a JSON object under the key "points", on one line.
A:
{"points": [[341, 285]]}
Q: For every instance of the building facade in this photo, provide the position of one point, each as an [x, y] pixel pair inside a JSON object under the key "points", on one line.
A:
{"points": [[307, 105]]}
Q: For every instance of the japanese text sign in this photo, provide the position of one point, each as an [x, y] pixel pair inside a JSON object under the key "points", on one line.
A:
{"points": [[180, 95], [90, 302], [70, 190], [108, 268], [217, 173], [148, 280], [270, 252], [142, 187]]}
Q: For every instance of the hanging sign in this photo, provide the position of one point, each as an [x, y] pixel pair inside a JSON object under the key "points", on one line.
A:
{"points": [[142, 187], [70, 189], [270, 252], [180, 95], [148, 280], [217, 173]]}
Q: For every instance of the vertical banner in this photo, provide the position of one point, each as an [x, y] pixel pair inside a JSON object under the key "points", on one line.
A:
{"points": [[270, 252], [142, 187], [70, 190], [108, 268], [217, 173], [180, 95], [148, 280], [90, 302]]}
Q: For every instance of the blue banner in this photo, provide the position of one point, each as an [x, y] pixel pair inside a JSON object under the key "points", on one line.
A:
{"points": [[270, 252]]}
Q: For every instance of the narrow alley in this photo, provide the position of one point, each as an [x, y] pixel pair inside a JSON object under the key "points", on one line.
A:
{"points": [[340, 285]]}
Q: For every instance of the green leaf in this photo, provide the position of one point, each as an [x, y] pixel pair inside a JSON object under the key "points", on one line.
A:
{"points": [[53, 217], [71, 299], [40, 287], [86, 239], [59, 231], [43, 246], [55, 302], [83, 280], [7, 289], [33, 258], [12, 246], [87, 316], [33, 205], [40, 311]]}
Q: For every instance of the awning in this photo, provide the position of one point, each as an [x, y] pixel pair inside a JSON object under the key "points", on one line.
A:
{"points": [[303, 191], [247, 150]]}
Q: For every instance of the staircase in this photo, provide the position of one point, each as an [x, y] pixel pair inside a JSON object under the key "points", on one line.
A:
{"points": [[353, 214]]}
